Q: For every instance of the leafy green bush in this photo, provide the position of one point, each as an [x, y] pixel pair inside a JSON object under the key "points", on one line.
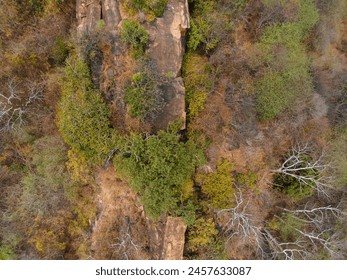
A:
{"points": [[135, 35], [287, 65], [154, 7], [248, 180], [144, 95], [83, 117], [208, 25], [157, 166], [7, 253], [218, 186]]}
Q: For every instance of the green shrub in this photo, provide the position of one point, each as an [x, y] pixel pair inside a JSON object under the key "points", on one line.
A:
{"points": [[187, 212], [47, 177], [248, 180], [60, 50], [153, 7], [157, 166], [83, 117], [158, 7], [287, 65], [218, 186], [135, 35], [209, 25], [7, 253], [144, 95]]}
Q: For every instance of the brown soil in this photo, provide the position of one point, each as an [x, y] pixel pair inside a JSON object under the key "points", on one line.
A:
{"points": [[120, 219]]}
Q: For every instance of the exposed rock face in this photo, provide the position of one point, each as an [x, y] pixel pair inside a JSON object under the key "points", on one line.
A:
{"points": [[174, 105], [166, 50], [173, 241], [88, 14], [167, 33], [111, 14]]}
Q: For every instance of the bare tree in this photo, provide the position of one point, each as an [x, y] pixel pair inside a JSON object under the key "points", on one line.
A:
{"points": [[15, 105], [239, 223], [317, 233], [307, 172], [320, 226], [126, 244], [284, 250]]}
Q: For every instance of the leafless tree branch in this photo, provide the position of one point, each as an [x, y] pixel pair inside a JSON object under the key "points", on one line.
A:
{"points": [[296, 162], [15, 105]]}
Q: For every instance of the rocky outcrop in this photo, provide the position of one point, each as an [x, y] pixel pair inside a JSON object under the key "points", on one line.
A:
{"points": [[173, 241], [111, 14], [166, 50], [88, 13], [168, 36]]}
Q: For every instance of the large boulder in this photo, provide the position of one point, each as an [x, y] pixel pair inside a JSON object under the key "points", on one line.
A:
{"points": [[168, 34], [173, 241], [88, 13], [166, 50], [111, 14]]}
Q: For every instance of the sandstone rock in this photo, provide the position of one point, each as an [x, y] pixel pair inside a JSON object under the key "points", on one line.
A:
{"points": [[174, 105], [173, 241], [167, 48], [111, 14], [88, 14]]}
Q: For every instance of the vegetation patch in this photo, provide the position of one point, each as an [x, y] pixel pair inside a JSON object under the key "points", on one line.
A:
{"points": [[287, 65], [155, 8], [198, 82], [208, 25], [291, 185], [218, 186], [201, 234], [157, 166], [135, 35], [83, 117], [144, 94]]}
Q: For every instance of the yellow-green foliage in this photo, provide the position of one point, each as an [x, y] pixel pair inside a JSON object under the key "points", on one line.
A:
{"points": [[49, 236], [83, 117], [218, 186], [287, 65], [248, 180], [198, 83], [78, 168], [201, 234], [7, 253], [187, 190], [154, 8]]}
